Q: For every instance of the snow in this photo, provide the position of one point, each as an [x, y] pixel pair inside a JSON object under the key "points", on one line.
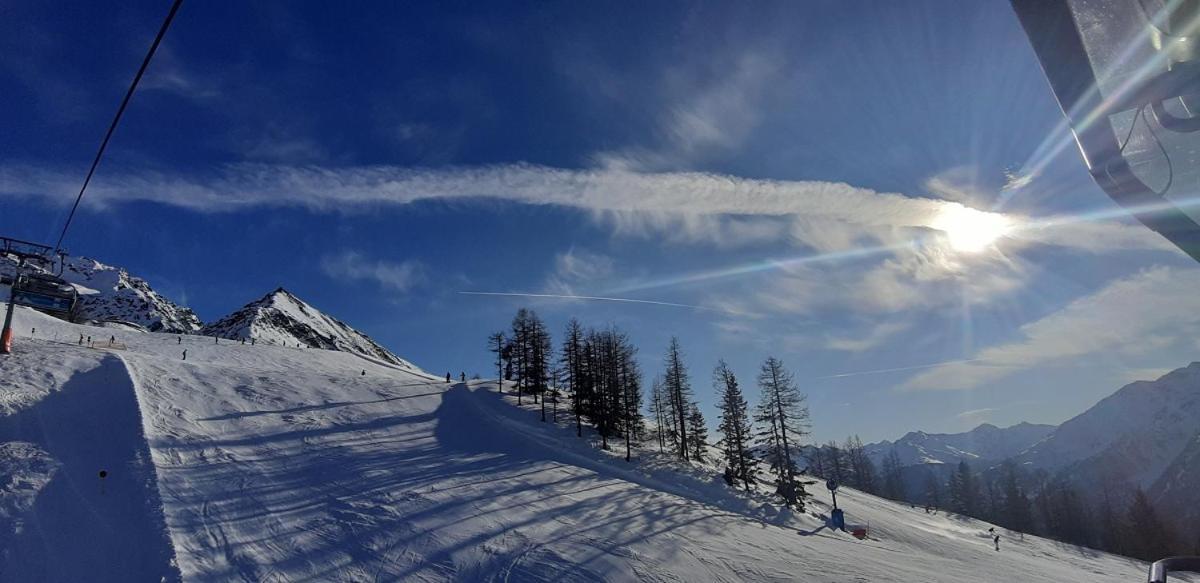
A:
{"points": [[111, 293], [281, 318], [1132, 435], [986, 442], [281, 464]]}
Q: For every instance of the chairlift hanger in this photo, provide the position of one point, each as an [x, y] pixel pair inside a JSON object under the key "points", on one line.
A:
{"points": [[1172, 75]]}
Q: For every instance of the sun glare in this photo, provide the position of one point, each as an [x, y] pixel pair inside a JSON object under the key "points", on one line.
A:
{"points": [[970, 230]]}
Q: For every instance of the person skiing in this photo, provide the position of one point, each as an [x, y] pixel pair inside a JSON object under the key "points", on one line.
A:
{"points": [[463, 376], [81, 339], [33, 332], [447, 376], [185, 354], [179, 340], [112, 340], [996, 540], [364, 372]]}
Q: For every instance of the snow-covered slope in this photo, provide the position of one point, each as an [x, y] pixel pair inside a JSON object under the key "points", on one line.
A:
{"points": [[283, 319], [986, 442], [284, 464], [1130, 436], [110, 293]]}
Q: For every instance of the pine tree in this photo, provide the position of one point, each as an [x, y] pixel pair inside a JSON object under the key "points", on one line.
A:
{"points": [[1112, 530], [520, 349], [735, 426], [496, 345], [783, 411], [663, 431], [893, 479], [572, 361], [631, 393], [698, 431], [933, 490], [679, 393], [964, 491], [862, 469], [1017, 513], [816, 461], [1150, 539], [836, 466]]}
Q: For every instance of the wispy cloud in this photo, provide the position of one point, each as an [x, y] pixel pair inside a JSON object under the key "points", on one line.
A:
{"points": [[351, 265], [575, 267], [833, 213], [588, 298], [976, 414], [1156, 307], [878, 335]]}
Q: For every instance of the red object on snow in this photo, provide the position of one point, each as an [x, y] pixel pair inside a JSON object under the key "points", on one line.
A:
{"points": [[859, 533]]}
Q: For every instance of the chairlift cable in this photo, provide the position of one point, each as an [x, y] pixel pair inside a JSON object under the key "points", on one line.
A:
{"points": [[121, 110]]}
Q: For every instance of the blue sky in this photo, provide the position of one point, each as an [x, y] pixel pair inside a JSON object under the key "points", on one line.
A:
{"points": [[801, 174]]}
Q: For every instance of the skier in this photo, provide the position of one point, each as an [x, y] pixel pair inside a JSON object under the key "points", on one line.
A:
{"points": [[179, 340], [185, 354], [447, 376], [112, 340], [996, 540], [81, 339], [463, 376], [33, 332], [364, 372]]}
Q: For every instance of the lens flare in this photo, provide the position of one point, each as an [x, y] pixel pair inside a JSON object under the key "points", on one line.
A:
{"points": [[969, 230]]}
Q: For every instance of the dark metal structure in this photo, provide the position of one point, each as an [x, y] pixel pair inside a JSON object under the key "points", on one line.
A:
{"points": [[1115, 66], [40, 290]]}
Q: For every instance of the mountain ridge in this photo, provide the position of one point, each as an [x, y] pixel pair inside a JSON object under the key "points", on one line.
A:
{"points": [[280, 317]]}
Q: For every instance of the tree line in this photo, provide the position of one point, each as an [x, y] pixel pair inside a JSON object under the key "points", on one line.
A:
{"points": [[1118, 520], [597, 372]]}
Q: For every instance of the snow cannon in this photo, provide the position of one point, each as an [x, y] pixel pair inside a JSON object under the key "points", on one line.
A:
{"points": [[1160, 569]]}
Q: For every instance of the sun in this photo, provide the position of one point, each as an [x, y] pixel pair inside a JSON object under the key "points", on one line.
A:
{"points": [[969, 230]]}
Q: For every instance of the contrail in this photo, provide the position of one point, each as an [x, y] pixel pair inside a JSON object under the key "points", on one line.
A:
{"points": [[592, 298], [898, 369]]}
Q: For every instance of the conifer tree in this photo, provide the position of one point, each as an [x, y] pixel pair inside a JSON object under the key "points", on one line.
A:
{"points": [[679, 393], [735, 426], [698, 431], [784, 414], [893, 479]]}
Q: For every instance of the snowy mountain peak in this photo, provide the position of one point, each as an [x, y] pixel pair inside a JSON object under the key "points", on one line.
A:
{"points": [[1132, 434], [111, 294], [985, 442], [282, 318]]}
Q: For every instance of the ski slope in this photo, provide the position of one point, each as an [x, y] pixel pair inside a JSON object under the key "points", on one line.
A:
{"points": [[266, 463]]}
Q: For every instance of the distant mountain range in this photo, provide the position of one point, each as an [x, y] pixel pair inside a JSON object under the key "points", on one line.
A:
{"points": [[111, 296], [1145, 435], [986, 442]]}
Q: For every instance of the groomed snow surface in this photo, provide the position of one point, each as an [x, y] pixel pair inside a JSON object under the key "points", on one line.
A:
{"points": [[266, 463]]}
